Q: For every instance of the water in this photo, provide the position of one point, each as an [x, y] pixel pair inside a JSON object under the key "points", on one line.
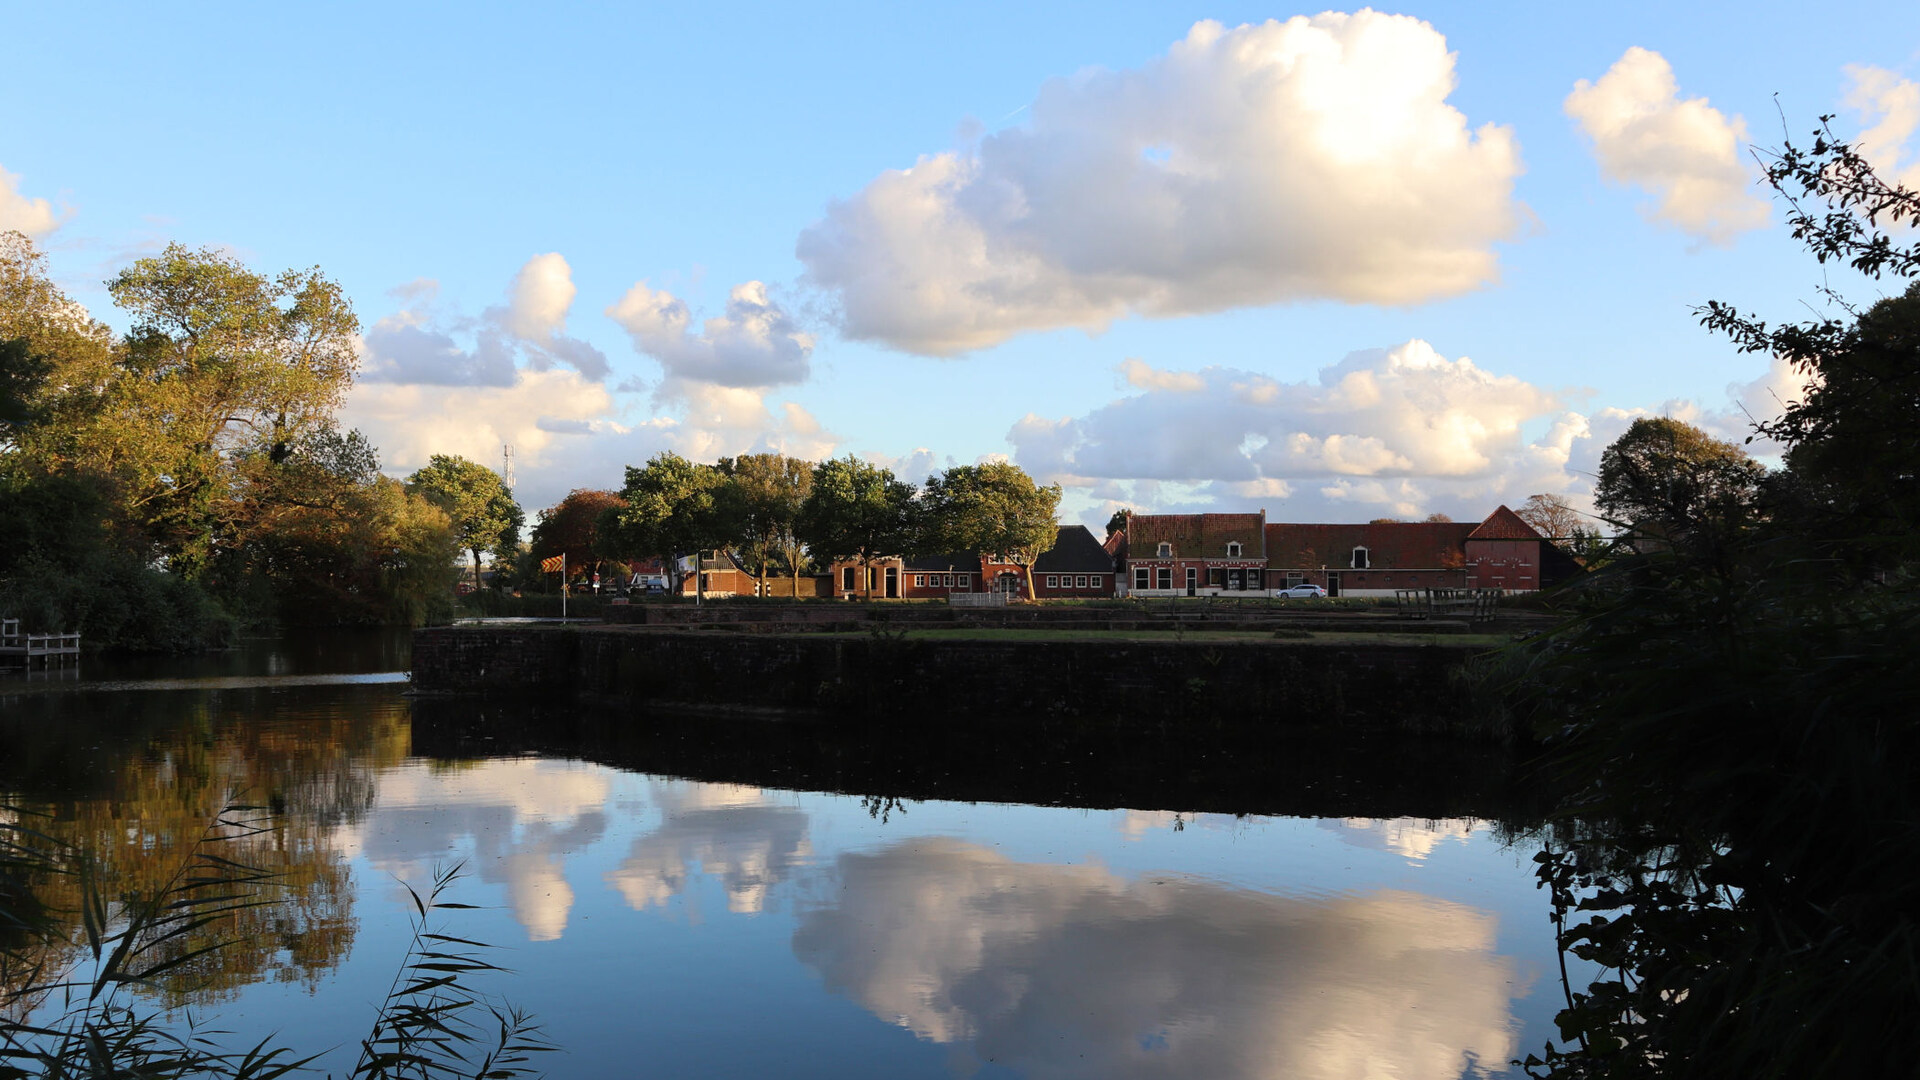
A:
{"points": [[700, 897]]}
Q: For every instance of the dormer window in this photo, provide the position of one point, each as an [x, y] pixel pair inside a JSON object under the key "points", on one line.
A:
{"points": [[1166, 550], [1359, 558], [1233, 550]]}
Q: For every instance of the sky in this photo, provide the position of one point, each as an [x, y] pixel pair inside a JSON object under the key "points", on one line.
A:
{"points": [[1336, 265]]}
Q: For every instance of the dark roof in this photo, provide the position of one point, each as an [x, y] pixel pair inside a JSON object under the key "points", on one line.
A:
{"points": [[1412, 545], [951, 562], [1074, 551], [1195, 536], [1504, 524]]}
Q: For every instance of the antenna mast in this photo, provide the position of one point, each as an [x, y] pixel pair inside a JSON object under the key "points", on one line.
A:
{"points": [[506, 453]]}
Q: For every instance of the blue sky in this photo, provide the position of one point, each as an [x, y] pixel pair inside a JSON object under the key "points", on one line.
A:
{"points": [[1166, 267]]}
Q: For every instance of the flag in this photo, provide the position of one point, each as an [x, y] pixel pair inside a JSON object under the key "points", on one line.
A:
{"points": [[555, 565]]}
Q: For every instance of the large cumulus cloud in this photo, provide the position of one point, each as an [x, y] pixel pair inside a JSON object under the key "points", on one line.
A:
{"points": [[1889, 107], [35, 217], [1686, 154], [1307, 159]]}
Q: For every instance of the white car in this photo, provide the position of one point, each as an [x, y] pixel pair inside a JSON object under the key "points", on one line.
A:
{"points": [[1298, 591]]}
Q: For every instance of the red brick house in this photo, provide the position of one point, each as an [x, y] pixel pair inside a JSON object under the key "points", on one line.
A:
{"points": [[1502, 552], [1196, 554], [721, 574]]}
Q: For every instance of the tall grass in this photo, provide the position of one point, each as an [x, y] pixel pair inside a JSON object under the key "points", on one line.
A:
{"points": [[64, 996]]}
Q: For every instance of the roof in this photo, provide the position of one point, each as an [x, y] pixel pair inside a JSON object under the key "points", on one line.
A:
{"points": [[1504, 524], [1195, 536], [1116, 545], [1074, 551], [1390, 545]]}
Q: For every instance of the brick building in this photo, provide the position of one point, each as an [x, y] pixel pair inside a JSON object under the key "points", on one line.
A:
{"points": [[1196, 554], [1502, 552]]}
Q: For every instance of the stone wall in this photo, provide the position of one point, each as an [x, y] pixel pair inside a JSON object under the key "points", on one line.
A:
{"points": [[878, 677]]}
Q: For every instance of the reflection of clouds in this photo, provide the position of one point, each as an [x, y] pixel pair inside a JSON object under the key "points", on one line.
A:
{"points": [[1135, 824], [1412, 838], [729, 831], [1071, 971], [521, 816]]}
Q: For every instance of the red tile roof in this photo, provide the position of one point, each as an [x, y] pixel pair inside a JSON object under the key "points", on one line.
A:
{"points": [[1504, 524], [1195, 536], [1410, 545]]}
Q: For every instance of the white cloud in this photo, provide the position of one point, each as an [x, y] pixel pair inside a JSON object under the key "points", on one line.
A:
{"points": [[756, 343], [732, 833], [1686, 154], [1311, 159], [415, 346], [1889, 107], [35, 217], [1395, 429], [1059, 972]]}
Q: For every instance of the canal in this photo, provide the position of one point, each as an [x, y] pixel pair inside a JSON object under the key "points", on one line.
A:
{"points": [[748, 897]]}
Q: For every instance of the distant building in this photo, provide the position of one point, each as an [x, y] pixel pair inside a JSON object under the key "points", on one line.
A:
{"points": [[1502, 552], [1076, 566], [1196, 554]]}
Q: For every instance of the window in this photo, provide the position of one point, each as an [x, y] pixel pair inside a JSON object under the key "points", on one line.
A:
{"points": [[966, 581], [1053, 581], [873, 578], [1166, 550], [946, 581], [1079, 581], [1140, 578], [846, 579], [1216, 577], [1233, 550], [919, 581], [1359, 558], [1295, 579], [1166, 577]]}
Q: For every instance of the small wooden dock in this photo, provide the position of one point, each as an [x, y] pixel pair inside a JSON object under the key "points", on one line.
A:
{"points": [[48, 649]]}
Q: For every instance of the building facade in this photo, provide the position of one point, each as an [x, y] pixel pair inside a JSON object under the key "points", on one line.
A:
{"points": [[1196, 554]]}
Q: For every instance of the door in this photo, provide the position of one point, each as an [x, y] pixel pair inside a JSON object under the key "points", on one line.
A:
{"points": [[1193, 580], [893, 583], [1333, 583]]}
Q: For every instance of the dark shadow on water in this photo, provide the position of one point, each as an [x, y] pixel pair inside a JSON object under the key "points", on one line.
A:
{"points": [[1046, 762]]}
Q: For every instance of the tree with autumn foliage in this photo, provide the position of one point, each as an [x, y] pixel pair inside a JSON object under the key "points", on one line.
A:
{"points": [[571, 528]]}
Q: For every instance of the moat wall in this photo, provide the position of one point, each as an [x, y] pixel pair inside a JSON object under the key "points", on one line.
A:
{"points": [[1115, 684]]}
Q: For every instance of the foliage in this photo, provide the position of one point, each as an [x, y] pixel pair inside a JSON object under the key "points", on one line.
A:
{"points": [[157, 485], [483, 512], [1735, 713], [766, 492], [1668, 479], [1556, 519], [572, 528], [1119, 520], [857, 512], [994, 508], [674, 508]]}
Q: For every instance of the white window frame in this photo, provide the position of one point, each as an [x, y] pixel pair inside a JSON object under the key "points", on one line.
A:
{"points": [[1053, 581], [1079, 581], [919, 581], [1142, 577], [1362, 559], [1166, 550], [1233, 549], [963, 581]]}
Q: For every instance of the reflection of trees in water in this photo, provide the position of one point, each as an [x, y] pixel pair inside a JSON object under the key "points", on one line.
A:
{"points": [[143, 811], [1072, 971]]}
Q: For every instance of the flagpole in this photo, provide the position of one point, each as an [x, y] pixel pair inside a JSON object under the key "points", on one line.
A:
{"points": [[563, 585]]}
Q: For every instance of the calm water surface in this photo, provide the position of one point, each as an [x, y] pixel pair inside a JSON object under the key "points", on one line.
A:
{"points": [[674, 927]]}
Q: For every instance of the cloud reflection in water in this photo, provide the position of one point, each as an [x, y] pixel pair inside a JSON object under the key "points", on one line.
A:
{"points": [[730, 832], [1073, 971]]}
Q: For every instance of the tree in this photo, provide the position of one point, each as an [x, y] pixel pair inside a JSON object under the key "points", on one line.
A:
{"points": [[1670, 479], [673, 508], [219, 359], [572, 527], [1118, 522], [994, 508], [766, 492], [482, 509], [856, 511], [1553, 515]]}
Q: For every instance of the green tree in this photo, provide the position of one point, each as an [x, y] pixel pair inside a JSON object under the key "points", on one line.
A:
{"points": [[993, 508], [766, 492], [674, 508], [219, 360], [1119, 520], [484, 515], [1669, 479], [856, 511]]}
